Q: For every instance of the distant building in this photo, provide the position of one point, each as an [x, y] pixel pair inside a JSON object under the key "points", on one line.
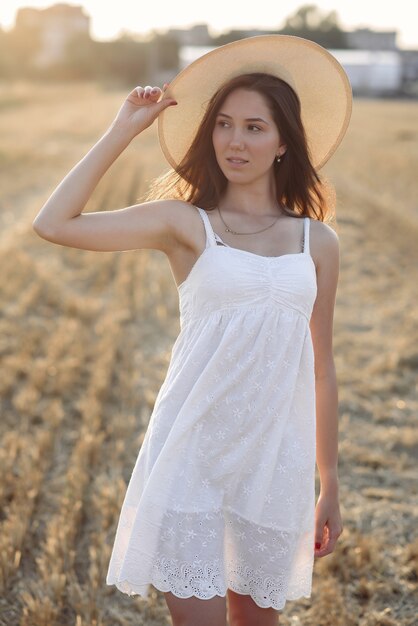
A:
{"points": [[372, 72], [188, 54], [367, 39], [56, 25], [410, 72], [196, 35]]}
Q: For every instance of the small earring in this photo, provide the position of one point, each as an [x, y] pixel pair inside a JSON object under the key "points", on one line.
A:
{"points": [[278, 158]]}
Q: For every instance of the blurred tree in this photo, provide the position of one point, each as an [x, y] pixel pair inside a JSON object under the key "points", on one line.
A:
{"points": [[308, 22], [228, 37], [311, 23], [119, 61], [167, 48]]}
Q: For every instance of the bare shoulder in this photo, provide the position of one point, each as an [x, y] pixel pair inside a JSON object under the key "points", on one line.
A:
{"points": [[172, 208], [184, 224], [324, 244]]}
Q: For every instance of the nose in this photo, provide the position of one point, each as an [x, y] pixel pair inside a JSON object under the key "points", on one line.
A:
{"points": [[236, 140]]}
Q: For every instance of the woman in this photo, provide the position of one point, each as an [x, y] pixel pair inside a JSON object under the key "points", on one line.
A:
{"points": [[221, 502]]}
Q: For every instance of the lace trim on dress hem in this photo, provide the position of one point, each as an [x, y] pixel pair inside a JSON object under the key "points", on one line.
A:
{"points": [[131, 589]]}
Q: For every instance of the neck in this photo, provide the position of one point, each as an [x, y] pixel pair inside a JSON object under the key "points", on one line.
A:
{"points": [[245, 201]]}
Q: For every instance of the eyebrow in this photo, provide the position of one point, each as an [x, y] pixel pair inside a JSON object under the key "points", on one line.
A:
{"points": [[249, 119]]}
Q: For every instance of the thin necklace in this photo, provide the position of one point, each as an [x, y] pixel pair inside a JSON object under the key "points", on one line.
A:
{"points": [[229, 230]]}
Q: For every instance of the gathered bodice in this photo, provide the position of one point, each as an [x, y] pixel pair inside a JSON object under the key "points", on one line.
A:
{"points": [[226, 278]]}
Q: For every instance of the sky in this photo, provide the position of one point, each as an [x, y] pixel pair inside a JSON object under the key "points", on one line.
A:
{"points": [[109, 21]]}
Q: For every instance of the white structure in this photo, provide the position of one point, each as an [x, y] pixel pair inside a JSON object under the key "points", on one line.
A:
{"points": [[194, 35], [188, 54], [370, 72]]}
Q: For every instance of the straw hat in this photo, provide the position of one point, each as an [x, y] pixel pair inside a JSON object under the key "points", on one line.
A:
{"points": [[314, 73]]}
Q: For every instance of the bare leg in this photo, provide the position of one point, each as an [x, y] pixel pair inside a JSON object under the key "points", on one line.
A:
{"points": [[243, 611], [196, 612]]}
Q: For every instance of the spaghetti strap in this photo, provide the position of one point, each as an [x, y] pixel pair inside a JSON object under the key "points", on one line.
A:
{"points": [[210, 235], [306, 225]]}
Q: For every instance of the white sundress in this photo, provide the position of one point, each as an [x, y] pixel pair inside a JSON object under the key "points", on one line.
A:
{"points": [[222, 494]]}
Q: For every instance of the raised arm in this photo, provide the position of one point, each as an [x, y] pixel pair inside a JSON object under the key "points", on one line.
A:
{"points": [[147, 225]]}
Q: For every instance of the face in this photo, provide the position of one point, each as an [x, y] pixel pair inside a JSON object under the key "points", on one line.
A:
{"points": [[245, 129]]}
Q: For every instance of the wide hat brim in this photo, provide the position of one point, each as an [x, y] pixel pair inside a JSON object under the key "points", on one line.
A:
{"points": [[314, 73]]}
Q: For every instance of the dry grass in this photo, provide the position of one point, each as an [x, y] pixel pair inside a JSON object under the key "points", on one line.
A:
{"points": [[85, 341]]}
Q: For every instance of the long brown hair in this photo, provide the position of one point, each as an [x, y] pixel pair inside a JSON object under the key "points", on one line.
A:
{"points": [[199, 180]]}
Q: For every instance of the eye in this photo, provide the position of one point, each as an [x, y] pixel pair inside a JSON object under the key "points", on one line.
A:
{"points": [[222, 122]]}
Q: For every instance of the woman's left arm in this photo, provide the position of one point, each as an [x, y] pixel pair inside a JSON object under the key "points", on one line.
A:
{"points": [[328, 524]]}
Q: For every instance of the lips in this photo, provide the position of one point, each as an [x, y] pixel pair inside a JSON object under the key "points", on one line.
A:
{"points": [[232, 160]]}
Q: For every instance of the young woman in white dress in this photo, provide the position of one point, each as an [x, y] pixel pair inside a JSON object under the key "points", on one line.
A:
{"points": [[249, 148]]}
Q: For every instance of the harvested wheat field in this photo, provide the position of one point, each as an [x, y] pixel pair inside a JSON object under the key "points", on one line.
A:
{"points": [[85, 342]]}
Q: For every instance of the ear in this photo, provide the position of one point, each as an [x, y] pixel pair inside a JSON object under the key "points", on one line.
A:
{"points": [[282, 149]]}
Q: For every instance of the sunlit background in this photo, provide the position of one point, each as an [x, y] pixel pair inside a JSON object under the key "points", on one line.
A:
{"points": [[86, 337], [109, 19], [126, 44]]}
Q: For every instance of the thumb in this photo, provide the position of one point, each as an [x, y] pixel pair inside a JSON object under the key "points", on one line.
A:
{"points": [[166, 102], [319, 534]]}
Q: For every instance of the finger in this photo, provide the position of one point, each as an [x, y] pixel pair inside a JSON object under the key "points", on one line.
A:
{"points": [[166, 102], [322, 550], [328, 542], [332, 538], [333, 529], [147, 92], [319, 546], [155, 93], [151, 93], [320, 535], [331, 545], [327, 548], [140, 91]]}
